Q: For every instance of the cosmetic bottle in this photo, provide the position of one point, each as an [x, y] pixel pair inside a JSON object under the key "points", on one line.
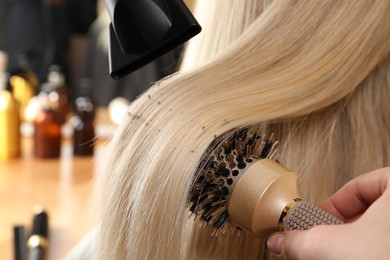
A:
{"points": [[84, 87], [84, 129], [24, 83], [47, 125], [57, 78], [38, 242], [9, 116]]}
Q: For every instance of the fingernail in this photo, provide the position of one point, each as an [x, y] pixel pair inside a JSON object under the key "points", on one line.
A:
{"points": [[274, 243]]}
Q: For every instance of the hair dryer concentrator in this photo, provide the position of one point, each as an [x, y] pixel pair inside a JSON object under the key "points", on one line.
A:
{"points": [[143, 30]]}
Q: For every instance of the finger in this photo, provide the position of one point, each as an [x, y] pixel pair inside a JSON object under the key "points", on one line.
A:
{"points": [[290, 244], [311, 244], [358, 194], [274, 243]]}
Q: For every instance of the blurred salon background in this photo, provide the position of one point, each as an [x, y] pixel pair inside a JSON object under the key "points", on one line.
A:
{"points": [[58, 109], [72, 34]]}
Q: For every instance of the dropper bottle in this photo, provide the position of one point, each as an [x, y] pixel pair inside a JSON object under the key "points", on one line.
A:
{"points": [[47, 125], [57, 78], [9, 116], [83, 127]]}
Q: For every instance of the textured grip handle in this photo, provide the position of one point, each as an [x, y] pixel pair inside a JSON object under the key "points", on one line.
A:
{"points": [[304, 215]]}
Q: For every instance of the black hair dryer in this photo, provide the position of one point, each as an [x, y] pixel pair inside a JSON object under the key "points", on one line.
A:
{"points": [[143, 30]]}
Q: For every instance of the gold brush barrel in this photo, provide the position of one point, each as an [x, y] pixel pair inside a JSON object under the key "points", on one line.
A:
{"points": [[265, 196]]}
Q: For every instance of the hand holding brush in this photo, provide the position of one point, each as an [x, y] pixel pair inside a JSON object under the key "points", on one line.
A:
{"points": [[363, 204], [240, 186]]}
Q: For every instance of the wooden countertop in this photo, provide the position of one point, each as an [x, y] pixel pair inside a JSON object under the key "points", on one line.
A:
{"points": [[62, 186]]}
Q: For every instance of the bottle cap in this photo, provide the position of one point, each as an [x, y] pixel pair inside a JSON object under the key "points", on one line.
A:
{"points": [[85, 87], [56, 76]]}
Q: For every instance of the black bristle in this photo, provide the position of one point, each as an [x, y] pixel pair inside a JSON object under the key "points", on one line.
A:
{"points": [[217, 195], [206, 219], [225, 172], [193, 207], [227, 156], [240, 162], [208, 207], [225, 191], [228, 149], [267, 147], [221, 220]]}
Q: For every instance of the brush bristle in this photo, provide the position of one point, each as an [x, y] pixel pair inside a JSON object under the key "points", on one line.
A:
{"points": [[224, 161]]}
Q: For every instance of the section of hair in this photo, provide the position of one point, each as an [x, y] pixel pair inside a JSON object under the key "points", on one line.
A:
{"points": [[315, 72]]}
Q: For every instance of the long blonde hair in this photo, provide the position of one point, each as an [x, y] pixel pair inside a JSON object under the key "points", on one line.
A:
{"points": [[315, 72]]}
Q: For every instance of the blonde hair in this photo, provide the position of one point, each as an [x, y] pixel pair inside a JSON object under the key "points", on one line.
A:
{"points": [[314, 72]]}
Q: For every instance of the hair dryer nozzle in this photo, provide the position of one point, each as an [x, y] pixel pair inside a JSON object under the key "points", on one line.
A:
{"points": [[143, 30]]}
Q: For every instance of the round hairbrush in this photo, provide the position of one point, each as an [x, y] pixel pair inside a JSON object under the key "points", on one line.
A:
{"points": [[239, 185]]}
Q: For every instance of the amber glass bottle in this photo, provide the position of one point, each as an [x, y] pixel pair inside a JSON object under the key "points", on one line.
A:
{"points": [[57, 79], [47, 134], [84, 129]]}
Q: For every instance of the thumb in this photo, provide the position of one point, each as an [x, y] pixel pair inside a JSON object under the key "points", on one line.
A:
{"points": [[309, 244]]}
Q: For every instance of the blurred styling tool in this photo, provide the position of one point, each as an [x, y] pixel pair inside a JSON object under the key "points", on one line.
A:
{"points": [[38, 242], [20, 251], [240, 186], [143, 30]]}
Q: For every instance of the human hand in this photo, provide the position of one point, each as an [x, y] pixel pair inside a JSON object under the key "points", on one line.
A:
{"points": [[364, 205]]}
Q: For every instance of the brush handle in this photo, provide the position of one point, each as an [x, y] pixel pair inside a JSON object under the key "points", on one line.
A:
{"points": [[304, 215]]}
